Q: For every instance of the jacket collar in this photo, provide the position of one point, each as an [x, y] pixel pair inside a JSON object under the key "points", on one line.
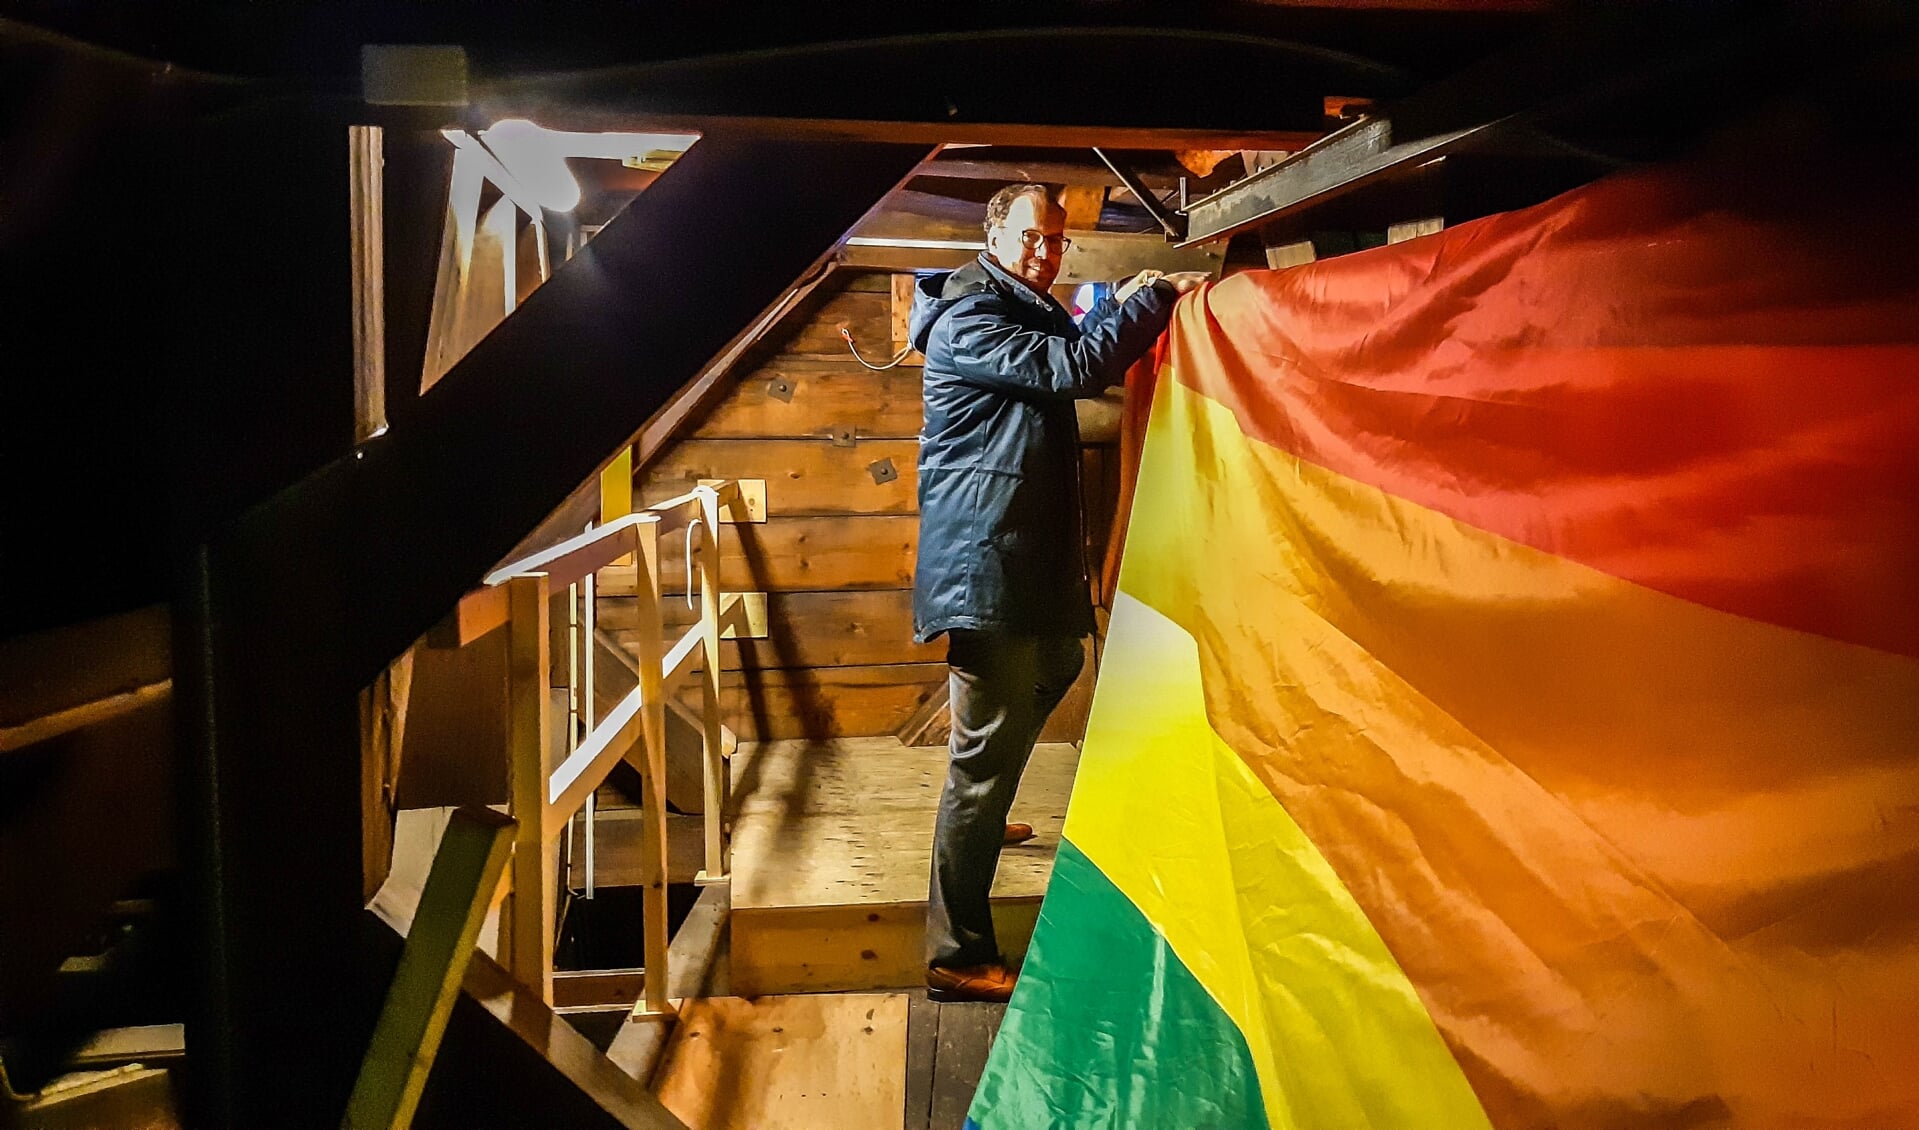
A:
{"points": [[1005, 280]]}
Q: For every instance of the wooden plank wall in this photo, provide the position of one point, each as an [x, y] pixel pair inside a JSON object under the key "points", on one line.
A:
{"points": [[837, 551]]}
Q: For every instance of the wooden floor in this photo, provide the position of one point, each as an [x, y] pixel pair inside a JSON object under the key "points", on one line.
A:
{"points": [[788, 1063], [946, 1049], [848, 1061], [832, 843]]}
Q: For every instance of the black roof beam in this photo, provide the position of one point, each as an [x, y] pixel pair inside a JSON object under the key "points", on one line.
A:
{"points": [[1576, 69]]}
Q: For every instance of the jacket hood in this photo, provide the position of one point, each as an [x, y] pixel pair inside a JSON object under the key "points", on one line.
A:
{"points": [[934, 295]]}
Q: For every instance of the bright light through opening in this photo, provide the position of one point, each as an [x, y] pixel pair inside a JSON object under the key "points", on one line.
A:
{"points": [[1084, 299], [536, 157]]}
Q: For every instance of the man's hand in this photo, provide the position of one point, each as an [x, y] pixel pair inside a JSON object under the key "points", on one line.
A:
{"points": [[1131, 286], [1183, 281]]}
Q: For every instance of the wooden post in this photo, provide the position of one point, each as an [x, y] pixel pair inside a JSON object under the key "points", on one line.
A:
{"points": [[439, 946], [646, 586], [451, 329], [715, 768], [366, 162], [901, 314], [535, 864]]}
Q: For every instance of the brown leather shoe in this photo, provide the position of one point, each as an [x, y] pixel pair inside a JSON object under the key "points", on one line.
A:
{"points": [[1017, 834], [992, 983]]}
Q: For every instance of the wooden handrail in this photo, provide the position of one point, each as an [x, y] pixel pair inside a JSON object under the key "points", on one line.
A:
{"points": [[577, 556], [516, 595], [586, 768]]}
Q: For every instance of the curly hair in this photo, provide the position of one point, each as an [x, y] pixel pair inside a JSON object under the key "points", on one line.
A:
{"points": [[1002, 201]]}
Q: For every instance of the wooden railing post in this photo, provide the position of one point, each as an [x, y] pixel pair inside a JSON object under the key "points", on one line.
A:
{"points": [[715, 769], [646, 544], [530, 915]]}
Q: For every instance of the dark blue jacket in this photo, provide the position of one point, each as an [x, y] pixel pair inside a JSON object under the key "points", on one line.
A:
{"points": [[1000, 539]]}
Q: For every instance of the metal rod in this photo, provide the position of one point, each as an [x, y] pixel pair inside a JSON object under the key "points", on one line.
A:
{"points": [[591, 708], [713, 769], [572, 668], [573, 720], [1172, 223]]}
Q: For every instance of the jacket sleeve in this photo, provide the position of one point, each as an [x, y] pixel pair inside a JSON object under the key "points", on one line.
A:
{"points": [[1108, 306], [991, 350]]}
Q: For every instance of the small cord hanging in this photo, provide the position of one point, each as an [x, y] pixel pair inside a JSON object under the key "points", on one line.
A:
{"points": [[897, 357], [695, 524]]}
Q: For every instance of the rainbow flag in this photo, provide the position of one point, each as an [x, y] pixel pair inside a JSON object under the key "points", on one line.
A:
{"points": [[1510, 712]]}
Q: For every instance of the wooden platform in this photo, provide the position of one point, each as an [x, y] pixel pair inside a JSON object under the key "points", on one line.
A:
{"points": [[788, 1063], [831, 848]]}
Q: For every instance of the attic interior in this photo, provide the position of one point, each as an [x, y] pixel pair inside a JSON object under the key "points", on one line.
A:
{"points": [[487, 448]]}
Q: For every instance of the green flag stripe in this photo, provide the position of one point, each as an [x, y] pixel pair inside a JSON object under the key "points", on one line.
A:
{"points": [[1108, 1029]]}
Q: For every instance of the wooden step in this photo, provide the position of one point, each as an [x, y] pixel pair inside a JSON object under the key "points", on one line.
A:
{"points": [[832, 844]]}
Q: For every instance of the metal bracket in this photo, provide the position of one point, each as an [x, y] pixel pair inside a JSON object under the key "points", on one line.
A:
{"points": [[882, 471], [780, 389], [842, 435], [1171, 222]]}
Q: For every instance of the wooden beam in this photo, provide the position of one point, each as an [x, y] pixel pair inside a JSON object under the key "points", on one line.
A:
{"points": [[366, 196], [63, 668], [802, 399], [535, 1023], [531, 908], [579, 555], [148, 1043], [693, 398], [87, 815], [79, 717], [802, 476], [653, 777], [967, 164], [904, 258], [804, 629], [926, 133], [466, 871], [826, 702], [300, 601], [1082, 203], [798, 553]]}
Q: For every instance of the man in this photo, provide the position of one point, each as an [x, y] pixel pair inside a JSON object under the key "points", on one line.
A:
{"points": [[1001, 569]]}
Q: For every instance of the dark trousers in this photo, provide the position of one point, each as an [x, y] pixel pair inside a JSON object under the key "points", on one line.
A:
{"points": [[1003, 688]]}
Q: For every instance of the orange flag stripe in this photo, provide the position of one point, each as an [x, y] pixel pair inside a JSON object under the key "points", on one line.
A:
{"points": [[1646, 862], [1697, 380]]}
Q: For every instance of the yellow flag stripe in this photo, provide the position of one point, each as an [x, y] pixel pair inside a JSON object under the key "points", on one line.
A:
{"points": [[1180, 825]]}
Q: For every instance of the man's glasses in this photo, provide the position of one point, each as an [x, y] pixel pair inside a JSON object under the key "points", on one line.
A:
{"points": [[1031, 240]]}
